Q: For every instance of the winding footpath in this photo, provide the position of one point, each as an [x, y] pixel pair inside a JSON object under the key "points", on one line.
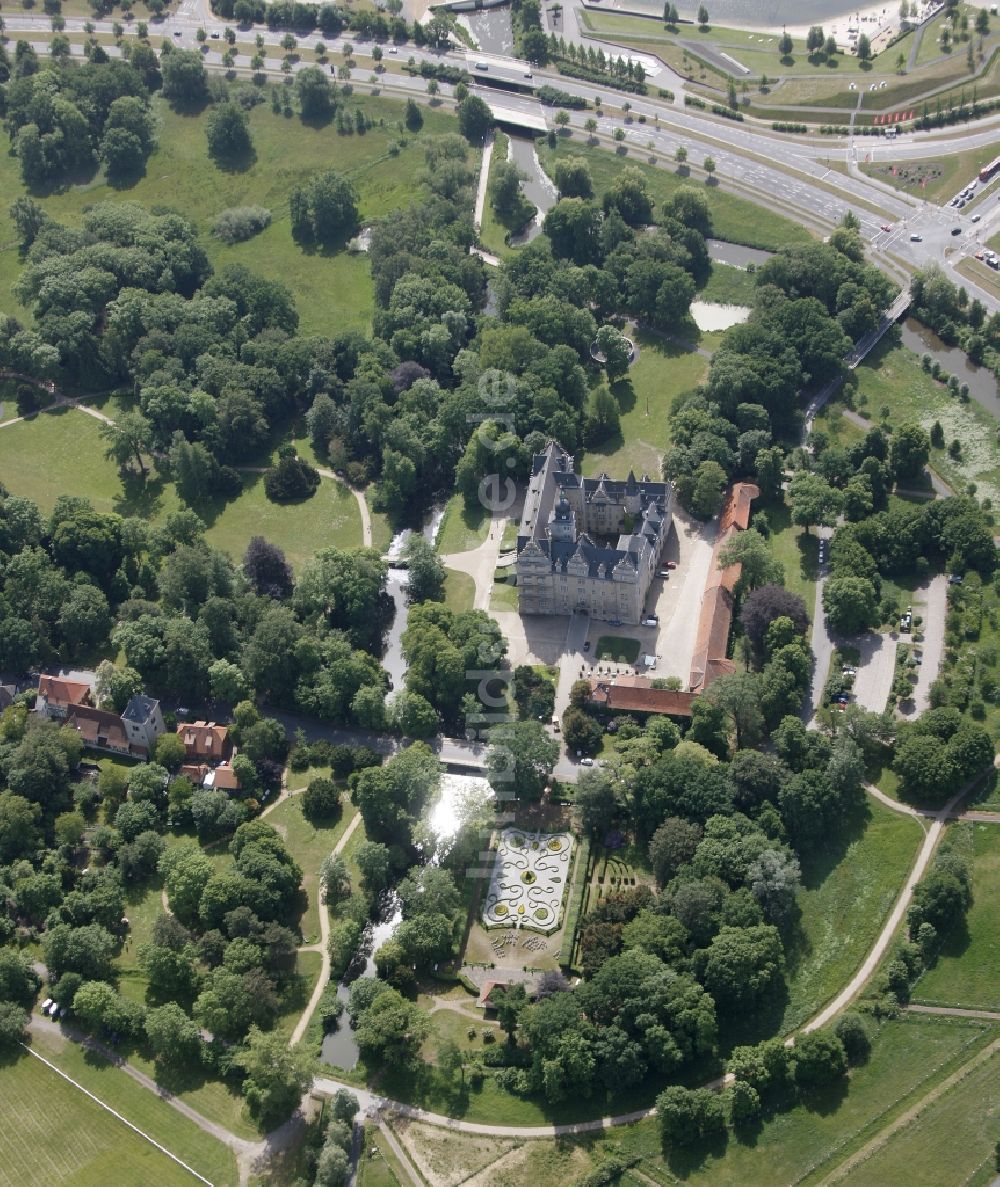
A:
{"points": [[324, 931]]}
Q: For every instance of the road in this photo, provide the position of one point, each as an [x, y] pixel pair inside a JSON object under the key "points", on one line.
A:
{"points": [[788, 173]]}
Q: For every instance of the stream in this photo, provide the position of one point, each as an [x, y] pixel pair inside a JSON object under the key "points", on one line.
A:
{"points": [[392, 660], [340, 1049], [953, 359]]}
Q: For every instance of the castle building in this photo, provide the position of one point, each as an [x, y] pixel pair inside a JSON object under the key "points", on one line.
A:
{"points": [[589, 544]]}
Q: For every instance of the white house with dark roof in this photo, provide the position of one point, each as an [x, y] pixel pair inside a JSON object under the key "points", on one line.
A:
{"points": [[143, 721], [589, 544]]}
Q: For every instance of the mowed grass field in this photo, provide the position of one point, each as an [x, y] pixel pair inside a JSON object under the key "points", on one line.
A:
{"points": [[333, 291], [846, 897], [53, 1133], [952, 1140], [61, 452], [645, 395], [733, 218], [968, 969]]}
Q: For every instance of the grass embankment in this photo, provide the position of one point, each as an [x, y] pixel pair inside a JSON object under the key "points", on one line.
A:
{"points": [[645, 395], [333, 291], [967, 972], [847, 894], [53, 1133], [942, 177], [735, 219], [494, 231], [463, 527], [61, 452], [892, 378]]}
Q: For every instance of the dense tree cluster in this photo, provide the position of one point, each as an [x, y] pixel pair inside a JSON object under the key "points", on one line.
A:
{"points": [[811, 302], [63, 117]]}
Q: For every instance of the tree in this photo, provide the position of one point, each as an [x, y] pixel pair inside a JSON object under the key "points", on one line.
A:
{"points": [[510, 1003], [291, 479], [742, 966], [324, 210], [582, 733], [314, 93], [785, 44], [709, 166], [864, 48], [595, 801], [173, 1037], [520, 760], [390, 1030], [750, 550], [18, 980], [850, 605], [122, 154], [19, 832], [764, 606], [128, 438], [374, 865], [572, 178], [614, 346], [702, 16], [28, 218], [185, 80], [85, 950], [707, 490], [925, 768], [672, 846], [426, 576], [910, 452], [321, 800], [277, 1077], [266, 569], [813, 500], [739, 695], [850, 1028], [814, 39], [689, 1116], [819, 1059], [475, 120], [13, 1026], [413, 118]]}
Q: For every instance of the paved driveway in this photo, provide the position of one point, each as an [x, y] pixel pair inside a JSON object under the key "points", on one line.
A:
{"points": [[678, 598], [930, 601], [876, 668]]}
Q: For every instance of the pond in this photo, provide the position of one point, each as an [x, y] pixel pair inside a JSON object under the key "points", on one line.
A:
{"points": [[982, 382]]}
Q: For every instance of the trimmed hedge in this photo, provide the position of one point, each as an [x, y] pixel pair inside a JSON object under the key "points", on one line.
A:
{"points": [[575, 903]]}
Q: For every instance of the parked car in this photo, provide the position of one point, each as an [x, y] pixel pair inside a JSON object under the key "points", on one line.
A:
{"points": [[955, 579], [652, 620], [586, 762], [555, 724], [586, 646], [45, 1006]]}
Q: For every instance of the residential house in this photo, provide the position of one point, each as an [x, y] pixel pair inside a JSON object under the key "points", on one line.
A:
{"points": [[636, 694], [143, 722], [57, 695], [100, 729], [209, 753]]}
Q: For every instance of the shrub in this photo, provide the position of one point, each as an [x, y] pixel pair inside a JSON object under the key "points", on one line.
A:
{"points": [[292, 478], [240, 223]]}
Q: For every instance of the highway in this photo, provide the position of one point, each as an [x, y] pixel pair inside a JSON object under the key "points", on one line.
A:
{"points": [[801, 177]]}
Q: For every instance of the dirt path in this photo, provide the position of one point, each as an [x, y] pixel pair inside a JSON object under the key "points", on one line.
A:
{"points": [[904, 1119], [956, 1012], [402, 1157], [324, 934], [484, 176], [362, 502], [879, 948]]}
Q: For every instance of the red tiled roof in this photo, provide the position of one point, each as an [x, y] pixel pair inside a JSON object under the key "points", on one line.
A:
{"points": [[204, 739], [57, 690], [709, 659], [94, 724], [225, 778], [635, 694], [196, 772]]}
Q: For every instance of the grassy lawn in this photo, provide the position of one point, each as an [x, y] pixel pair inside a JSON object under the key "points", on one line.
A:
{"points": [[463, 527], [374, 1169], [493, 233], [459, 590], [942, 177], [727, 285], [892, 377], [663, 370], [812, 1138], [797, 550], [309, 844], [61, 452], [144, 904], [734, 219], [55, 1134], [968, 969], [503, 596], [846, 897], [329, 519], [333, 291], [951, 1141], [618, 649]]}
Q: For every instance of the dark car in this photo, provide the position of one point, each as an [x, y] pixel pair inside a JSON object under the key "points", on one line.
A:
{"points": [[956, 230], [586, 646]]}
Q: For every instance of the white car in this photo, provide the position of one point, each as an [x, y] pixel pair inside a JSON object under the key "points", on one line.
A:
{"points": [[586, 762], [45, 1005]]}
